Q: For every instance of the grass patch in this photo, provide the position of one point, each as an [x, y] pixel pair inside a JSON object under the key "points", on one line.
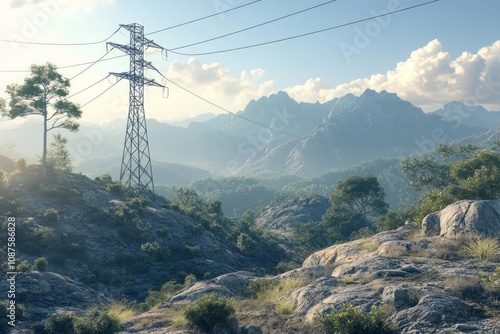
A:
{"points": [[395, 251], [285, 306], [269, 294], [378, 285], [370, 246], [465, 287], [178, 319], [483, 249], [445, 249], [121, 311], [416, 234]]}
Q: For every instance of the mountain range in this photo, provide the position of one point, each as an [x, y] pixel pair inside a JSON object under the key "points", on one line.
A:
{"points": [[277, 135]]}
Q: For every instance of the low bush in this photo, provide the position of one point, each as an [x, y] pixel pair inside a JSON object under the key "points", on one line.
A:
{"points": [[350, 320], [41, 264], [465, 287], [212, 314], [51, 216], [156, 297], [4, 312], [94, 322]]}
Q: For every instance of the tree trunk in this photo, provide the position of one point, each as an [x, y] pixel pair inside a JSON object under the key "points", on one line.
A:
{"points": [[44, 154]]}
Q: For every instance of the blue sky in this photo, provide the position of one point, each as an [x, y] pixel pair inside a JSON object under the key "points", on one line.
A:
{"points": [[430, 55]]}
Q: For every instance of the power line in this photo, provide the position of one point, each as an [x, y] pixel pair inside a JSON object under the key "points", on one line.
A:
{"points": [[305, 34], [67, 66], [230, 112], [58, 44], [92, 64], [95, 98], [202, 18], [254, 26], [95, 83]]}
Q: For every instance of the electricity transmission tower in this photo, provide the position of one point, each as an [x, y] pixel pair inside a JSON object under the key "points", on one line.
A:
{"points": [[136, 170]]}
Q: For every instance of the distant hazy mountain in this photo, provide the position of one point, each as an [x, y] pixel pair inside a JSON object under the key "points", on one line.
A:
{"points": [[357, 129], [276, 135], [472, 116], [185, 122], [277, 111]]}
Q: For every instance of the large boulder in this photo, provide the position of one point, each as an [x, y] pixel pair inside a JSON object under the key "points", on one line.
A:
{"points": [[479, 217]]}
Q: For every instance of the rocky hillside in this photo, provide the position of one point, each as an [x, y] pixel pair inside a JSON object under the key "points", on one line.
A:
{"points": [[425, 284], [101, 244]]}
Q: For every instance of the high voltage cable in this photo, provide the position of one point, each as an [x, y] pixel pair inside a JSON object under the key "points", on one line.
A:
{"points": [[248, 46], [95, 83], [88, 67], [202, 18], [305, 34], [68, 66], [254, 26], [95, 98], [59, 44], [233, 113]]}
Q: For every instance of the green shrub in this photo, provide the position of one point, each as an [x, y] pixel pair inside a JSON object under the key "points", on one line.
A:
{"points": [[350, 320], [189, 280], [491, 283], [155, 250], [41, 264], [56, 324], [94, 322], [23, 267], [212, 314], [51, 216], [97, 322], [190, 252], [4, 312], [155, 297]]}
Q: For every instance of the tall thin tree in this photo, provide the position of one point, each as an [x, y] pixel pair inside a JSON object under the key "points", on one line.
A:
{"points": [[43, 93]]}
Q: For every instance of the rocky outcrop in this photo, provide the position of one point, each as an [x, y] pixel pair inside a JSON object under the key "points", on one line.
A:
{"points": [[424, 288], [478, 217], [46, 293], [284, 216]]}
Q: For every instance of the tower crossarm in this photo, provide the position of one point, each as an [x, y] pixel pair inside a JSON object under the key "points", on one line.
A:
{"points": [[125, 48]]}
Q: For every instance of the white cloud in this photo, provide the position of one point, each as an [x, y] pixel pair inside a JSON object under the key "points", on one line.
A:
{"points": [[428, 78], [215, 80]]}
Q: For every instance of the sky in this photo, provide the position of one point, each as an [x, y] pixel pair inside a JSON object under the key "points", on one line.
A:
{"points": [[430, 55]]}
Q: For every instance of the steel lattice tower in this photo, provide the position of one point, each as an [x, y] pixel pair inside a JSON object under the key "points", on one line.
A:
{"points": [[136, 170]]}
